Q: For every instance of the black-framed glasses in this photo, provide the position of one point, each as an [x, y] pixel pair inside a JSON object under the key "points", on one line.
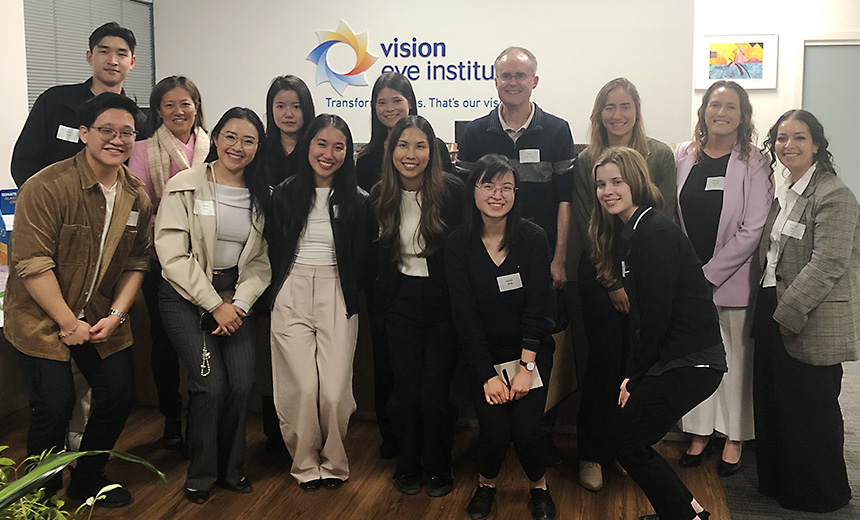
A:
{"points": [[108, 134], [248, 143], [489, 189]]}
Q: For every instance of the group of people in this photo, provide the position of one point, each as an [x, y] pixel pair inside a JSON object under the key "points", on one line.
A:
{"points": [[695, 282]]}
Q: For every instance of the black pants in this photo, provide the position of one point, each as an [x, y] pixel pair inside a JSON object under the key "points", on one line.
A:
{"points": [[423, 346], [52, 398], [519, 421], [798, 423], [165, 363], [218, 403], [383, 374], [608, 345], [654, 406]]}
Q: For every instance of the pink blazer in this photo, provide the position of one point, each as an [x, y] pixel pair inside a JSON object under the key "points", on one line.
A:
{"points": [[746, 200]]}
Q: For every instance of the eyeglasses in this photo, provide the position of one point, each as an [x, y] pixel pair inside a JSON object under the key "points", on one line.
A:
{"points": [[489, 189], [108, 134], [507, 77], [248, 143]]}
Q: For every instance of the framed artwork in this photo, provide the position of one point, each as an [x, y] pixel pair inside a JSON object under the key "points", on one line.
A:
{"points": [[748, 59]]}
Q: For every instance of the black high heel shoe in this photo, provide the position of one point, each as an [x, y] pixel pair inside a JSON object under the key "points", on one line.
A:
{"points": [[727, 469], [691, 461], [703, 515]]}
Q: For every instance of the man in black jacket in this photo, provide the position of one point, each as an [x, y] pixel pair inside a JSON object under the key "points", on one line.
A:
{"points": [[51, 131]]}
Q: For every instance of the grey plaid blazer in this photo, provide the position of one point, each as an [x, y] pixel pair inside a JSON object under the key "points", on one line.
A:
{"points": [[818, 275]]}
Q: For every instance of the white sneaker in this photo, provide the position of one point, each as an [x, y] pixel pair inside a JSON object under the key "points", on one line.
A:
{"points": [[590, 475]]}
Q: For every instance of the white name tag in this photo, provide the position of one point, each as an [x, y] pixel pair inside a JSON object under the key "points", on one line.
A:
{"points": [[132, 219], [509, 282], [204, 207], [66, 133], [793, 229], [529, 156], [715, 184]]}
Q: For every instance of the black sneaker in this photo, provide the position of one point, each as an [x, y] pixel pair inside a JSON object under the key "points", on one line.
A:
{"points": [[83, 489], [407, 484], [481, 504], [439, 486], [541, 504]]}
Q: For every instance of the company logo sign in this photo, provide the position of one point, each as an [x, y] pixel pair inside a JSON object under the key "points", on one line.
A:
{"points": [[363, 59]]}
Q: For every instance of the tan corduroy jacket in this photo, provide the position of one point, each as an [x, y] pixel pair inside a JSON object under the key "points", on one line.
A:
{"points": [[185, 237], [59, 218]]}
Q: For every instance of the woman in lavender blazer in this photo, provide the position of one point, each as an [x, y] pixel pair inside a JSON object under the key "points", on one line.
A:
{"points": [[724, 192]]}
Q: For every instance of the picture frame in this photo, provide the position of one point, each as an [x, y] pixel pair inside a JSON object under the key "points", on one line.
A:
{"points": [[747, 59]]}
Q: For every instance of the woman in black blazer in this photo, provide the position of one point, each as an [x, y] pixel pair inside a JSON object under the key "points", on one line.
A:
{"points": [[677, 358]]}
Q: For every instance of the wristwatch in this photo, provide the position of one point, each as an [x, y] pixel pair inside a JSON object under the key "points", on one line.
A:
{"points": [[122, 316], [529, 366]]}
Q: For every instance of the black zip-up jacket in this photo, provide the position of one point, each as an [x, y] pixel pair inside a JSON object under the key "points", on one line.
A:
{"points": [[385, 278], [352, 246]]}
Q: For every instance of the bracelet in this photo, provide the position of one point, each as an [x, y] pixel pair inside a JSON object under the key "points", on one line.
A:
{"points": [[67, 334]]}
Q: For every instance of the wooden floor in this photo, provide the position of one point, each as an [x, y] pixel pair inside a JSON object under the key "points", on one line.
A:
{"points": [[369, 493]]}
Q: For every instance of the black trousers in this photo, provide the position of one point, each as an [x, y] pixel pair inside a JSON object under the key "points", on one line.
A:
{"points": [[423, 347], [519, 421], [608, 346], [798, 422], [654, 406], [165, 362], [218, 403], [383, 373], [52, 398]]}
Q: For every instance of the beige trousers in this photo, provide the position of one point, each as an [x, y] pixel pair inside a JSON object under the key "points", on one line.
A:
{"points": [[313, 345]]}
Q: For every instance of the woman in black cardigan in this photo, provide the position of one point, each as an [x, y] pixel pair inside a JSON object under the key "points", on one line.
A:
{"points": [[500, 286], [677, 358], [417, 205]]}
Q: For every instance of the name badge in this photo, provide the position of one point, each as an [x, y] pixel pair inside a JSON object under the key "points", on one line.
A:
{"points": [[715, 184], [529, 156], [793, 229], [204, 207], [66, 133], [509, 282], [132, 219]]}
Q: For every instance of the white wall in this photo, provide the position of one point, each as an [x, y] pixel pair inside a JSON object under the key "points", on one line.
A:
{"points": [[13, 88], [793, 21], [579, 46]]}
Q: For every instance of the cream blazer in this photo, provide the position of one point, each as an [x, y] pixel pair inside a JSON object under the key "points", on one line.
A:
{"points": [[185, 236]]}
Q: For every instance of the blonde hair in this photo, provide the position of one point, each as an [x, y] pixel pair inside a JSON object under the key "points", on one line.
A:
{"points": [[603, 228], [599, 136]]}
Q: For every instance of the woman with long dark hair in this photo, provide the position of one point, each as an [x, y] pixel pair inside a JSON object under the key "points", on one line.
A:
{"points": [[500, 285], [289, 109], [616, 120], [208, 235], [417, 205], [676, 356], [320, 237], [806, 321], [178, 141], [724, 192]]}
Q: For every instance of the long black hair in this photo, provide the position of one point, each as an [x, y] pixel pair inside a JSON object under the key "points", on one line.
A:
{"points": [[292, 199], [823, 158], [306, 101], [378, 131], [487, 169], [255, 175]]}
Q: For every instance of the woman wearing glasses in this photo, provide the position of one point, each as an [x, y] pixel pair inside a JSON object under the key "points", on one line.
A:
{"points": [[500, 285], [178, 141], [208, 235]]}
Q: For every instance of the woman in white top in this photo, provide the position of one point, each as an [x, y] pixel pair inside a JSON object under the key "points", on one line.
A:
{"points": [[320, 237], [177, 141], [208, 235]]}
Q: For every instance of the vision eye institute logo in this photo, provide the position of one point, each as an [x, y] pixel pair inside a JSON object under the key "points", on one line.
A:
{"points": [[363, 59]]}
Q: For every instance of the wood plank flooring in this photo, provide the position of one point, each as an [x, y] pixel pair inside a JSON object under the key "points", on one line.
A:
{"points": [[369, 493]]}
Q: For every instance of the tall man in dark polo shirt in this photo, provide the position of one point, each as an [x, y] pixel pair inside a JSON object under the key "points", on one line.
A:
{"points": [[541, 147], [51, 131], [79, 253]]}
